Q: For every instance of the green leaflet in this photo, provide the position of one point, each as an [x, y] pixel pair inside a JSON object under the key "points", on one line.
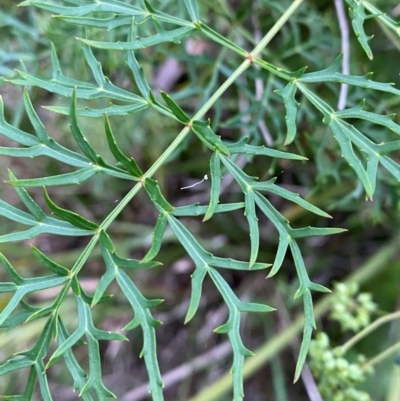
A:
{"points": [[358, 17], [158, 234], [77, 133], [49, 264], [198, 210], [112, 110], [288, 95], [359, 113], [216, 177], [204, 132], [129, 164], [242, 147], [332, 74], [250, 213], [216, 37], [71, 217], [176, 110], [175, 35], [154, 192]]}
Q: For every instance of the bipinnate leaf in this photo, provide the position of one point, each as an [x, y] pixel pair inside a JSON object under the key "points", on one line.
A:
{"points": [[140, 305], [71, 217], [174, 107], [288, 94], [204, 132], [348, 136]]}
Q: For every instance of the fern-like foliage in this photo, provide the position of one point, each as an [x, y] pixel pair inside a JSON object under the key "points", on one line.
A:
{"points": [[135, 27]]}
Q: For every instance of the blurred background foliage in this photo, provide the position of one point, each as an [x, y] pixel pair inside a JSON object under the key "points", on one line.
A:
{"points": [[191, 71]]}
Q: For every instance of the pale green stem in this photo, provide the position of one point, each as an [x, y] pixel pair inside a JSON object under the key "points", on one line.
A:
{"points": [[383, 355], [276, 28], [363, 333]]}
